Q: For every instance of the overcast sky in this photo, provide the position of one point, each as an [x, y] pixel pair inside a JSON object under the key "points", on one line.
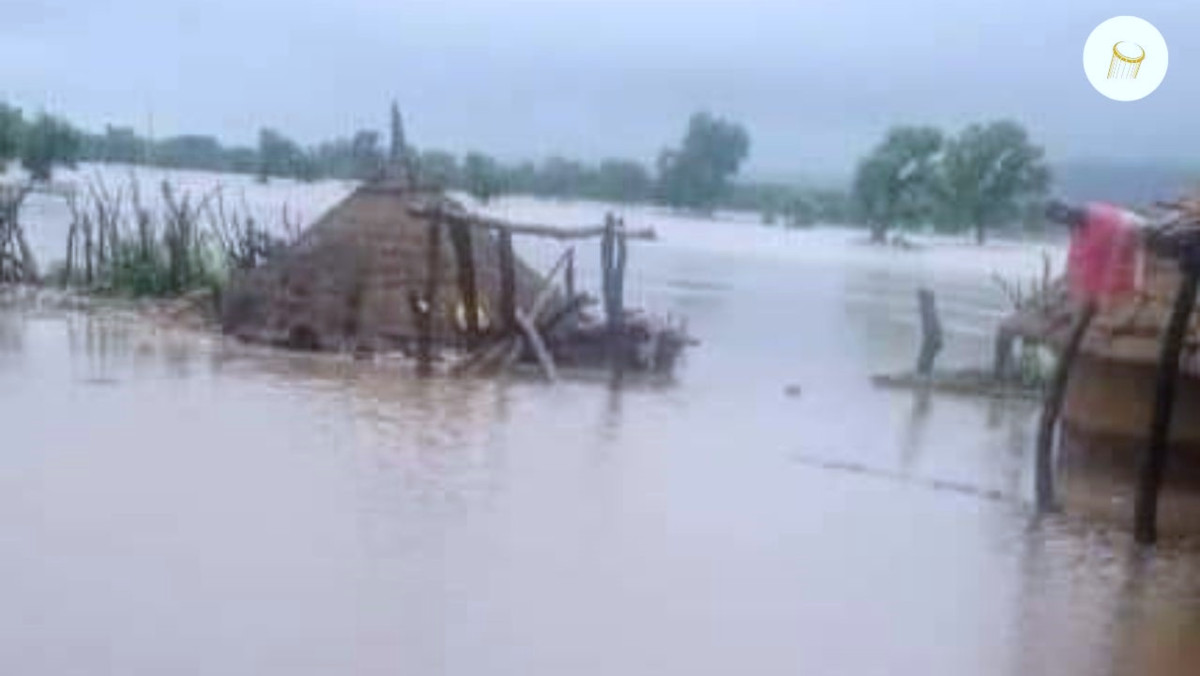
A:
{"points": [[815, 83]]}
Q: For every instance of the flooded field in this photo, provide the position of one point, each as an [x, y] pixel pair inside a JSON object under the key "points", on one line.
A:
{"points": [[175, 503]]}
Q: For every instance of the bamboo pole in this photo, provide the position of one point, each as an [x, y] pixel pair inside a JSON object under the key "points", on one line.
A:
{"points": [[1153, 460], [1052, 407]]}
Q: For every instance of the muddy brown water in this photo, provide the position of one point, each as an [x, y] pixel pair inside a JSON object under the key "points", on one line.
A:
{"points": [[173, 503]]}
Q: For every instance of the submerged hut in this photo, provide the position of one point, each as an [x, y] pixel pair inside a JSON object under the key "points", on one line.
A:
{"points": [[395, 268], [367, 275], [1113, 387]]}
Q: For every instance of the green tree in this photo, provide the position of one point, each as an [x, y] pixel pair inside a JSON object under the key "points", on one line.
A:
{"points": [[439, 168], [895, 184], [696, 175], [366, 155], [121, 144], [11, 130], [191, 151], [482, 176], [47, 142], [989, 173], [277, 155], [622, 181]]}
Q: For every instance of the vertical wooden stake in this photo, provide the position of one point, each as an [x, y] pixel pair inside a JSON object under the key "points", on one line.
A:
{"points": [[428, 309], [569, 275], [1052, 407], [612, 262], [460, 238], [931, 332], [1153, 460], [508, 281]]}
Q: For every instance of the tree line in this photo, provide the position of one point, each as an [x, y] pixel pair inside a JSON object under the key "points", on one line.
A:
{"points": [[985, 176], [697, 174]]}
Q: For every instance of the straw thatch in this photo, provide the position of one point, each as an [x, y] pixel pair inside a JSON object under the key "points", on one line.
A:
{"points": [[352, 279]]}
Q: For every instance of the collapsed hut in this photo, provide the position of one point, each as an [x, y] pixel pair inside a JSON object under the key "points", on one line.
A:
{"points": [[398, 268], [1128, 446]]}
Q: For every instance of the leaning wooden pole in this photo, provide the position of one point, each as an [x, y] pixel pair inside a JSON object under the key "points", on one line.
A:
{"points": [[1052, 408], [1153, 461]]}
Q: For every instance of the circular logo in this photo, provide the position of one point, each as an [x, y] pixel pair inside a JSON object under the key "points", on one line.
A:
{"points": [[1125, 58]]}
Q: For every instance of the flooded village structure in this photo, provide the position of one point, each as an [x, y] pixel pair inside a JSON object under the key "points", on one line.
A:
{"points": [[1127, 382], [400, 267]]}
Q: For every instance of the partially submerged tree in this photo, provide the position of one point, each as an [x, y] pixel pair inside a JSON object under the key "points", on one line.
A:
{"points": [[989, 174], [894, 185], [696, 175]]}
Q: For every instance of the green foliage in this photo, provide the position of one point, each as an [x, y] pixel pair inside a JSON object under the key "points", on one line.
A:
{"points": [[895, 184], [623, 181], [47, 142], [439, 168], [11, 130], [792, 206], [192, 151], [482, 176], [366, 155], [697, 175], [278, 155], [988, 175]]}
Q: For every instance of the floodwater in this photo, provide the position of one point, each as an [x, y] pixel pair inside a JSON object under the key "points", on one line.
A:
{"points": [[173, 503]]}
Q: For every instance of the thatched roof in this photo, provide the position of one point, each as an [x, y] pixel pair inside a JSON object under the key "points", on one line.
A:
{"points": [[350, 281]]}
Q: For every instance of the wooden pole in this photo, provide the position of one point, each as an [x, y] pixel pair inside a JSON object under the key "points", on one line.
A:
{"points": [[931, 332], [1002, 357], [1153, 460], [612, 265], [1052, 407], [569, 277], [428, 309], [508, 282], [536, 230], [460, 238]]}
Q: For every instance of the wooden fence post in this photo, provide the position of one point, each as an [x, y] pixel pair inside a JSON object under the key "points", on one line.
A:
{"points": [[612, 265], [1154, 458], [931, 332], [508, 281]]}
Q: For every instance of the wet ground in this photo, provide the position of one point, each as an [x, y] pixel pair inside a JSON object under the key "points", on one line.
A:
{"points": [[173, 503]]}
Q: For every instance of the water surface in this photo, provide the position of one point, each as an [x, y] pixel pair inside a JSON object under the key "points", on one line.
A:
{"points": [[174, 503]]}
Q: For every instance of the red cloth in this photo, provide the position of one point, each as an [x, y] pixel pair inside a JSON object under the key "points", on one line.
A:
{"points": [[1103, 260]]}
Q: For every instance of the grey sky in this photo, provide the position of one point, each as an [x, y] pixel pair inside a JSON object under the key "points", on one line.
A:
{"points": [[816, 83]]}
